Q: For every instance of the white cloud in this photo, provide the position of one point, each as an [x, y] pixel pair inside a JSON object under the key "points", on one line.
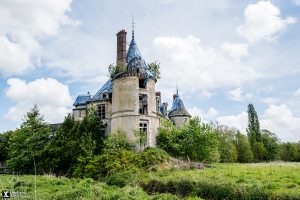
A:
{"points": [[197, 68], [297, 93], [281, 120], [269, 100], [239, 95], [23, 24], [263, 21], [206, 94], [236, 50], [239, 121], [52, 97], [80, 56], [277, 119], [208, 116], [297, 2]]}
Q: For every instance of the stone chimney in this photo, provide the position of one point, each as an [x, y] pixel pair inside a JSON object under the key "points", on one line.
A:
{"points": [[121, 48]]}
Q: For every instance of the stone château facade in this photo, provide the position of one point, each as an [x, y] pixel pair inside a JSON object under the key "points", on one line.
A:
{"points": [[128, 100]]}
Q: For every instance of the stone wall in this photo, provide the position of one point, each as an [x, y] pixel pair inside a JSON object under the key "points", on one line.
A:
{"points": [[125, 109]]}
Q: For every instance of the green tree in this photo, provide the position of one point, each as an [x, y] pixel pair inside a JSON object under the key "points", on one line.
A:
{"points": [[154, 68], [113, 70], [167, 137], [195, 141], [75, 143], [298, 152], [92, 124], [27, 144], [288, 151], [4, 145], [63, 150], [227, 147], [116, 141], [253, 132], [270, 142], [245, 154]]}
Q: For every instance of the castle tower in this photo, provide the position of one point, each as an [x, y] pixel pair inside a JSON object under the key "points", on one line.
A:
{"points": [[134, 103], [178, 114]]}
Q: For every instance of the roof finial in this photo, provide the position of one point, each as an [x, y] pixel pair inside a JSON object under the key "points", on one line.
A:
{"points": [[176, 88], [133, 26]]}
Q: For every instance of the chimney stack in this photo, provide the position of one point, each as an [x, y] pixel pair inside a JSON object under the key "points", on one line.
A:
{"points": [[121, 48]]}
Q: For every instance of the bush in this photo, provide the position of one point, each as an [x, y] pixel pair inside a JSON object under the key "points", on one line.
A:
{"points": [[152, 156]]}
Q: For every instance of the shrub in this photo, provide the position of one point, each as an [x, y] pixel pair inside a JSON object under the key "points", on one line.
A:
{"points": [[152, 156]]}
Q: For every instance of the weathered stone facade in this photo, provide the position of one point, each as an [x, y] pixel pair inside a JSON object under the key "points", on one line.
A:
{"points": [[129, 101]]}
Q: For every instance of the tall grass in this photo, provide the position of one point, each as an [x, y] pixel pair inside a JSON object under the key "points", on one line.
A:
{"points": [[222, 181]]}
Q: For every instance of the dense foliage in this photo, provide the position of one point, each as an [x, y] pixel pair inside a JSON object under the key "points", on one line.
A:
{"points": [[27, 144], [81, 149]]}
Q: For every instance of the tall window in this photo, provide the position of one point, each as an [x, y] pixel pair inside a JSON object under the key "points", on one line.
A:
{"points": [[157, 103], [143, 104], [143, 134], [101, 111]]}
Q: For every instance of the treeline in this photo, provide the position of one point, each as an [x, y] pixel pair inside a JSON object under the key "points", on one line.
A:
{"points": [[75, 149], [81, 149], [212, 142], [217, 143]]}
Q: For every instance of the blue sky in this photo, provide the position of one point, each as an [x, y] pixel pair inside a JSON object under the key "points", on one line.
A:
{"points": [[222, 54]]}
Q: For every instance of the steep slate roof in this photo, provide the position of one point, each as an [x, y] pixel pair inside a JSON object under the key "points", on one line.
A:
{"points": [[135, 62], [178, 108], [105, 89], [134, 58], [81, 100]]}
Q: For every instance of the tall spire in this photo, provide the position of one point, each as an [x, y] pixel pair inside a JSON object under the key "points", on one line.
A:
{"points": [[176, 88], [132, 27]]}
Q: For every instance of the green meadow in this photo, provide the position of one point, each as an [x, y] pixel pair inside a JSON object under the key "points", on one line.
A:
{"points": [[217, 181]]}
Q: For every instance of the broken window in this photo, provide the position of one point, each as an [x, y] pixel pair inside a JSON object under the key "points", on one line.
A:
{"points": [[157, 104], [101, 111], [143, 104], [142, 83], [143, 134]]}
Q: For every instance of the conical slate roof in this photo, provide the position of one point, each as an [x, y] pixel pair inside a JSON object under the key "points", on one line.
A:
{"points": [[178, 108], [135, 62]]}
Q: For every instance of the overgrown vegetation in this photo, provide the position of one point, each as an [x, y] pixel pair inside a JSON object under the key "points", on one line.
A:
{"points": [[82, 150], [113, 70], [222, 181], [154, 68]]}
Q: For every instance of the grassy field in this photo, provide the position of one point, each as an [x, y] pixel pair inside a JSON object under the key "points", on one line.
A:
{"points": [[221, 181]]}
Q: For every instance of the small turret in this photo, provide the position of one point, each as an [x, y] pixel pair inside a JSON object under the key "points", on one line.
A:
{"points": [[178, 114]]}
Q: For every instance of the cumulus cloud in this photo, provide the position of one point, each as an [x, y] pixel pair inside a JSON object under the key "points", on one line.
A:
{"points": [[52, 97], [297, 2], [23, 24], [197, 68], [263, 20], [277, 119], [297, 93], [281, 120], [236, 50], [239, 95], [239, 121], [205, 116]]}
